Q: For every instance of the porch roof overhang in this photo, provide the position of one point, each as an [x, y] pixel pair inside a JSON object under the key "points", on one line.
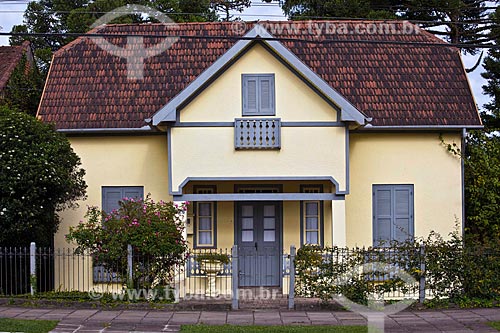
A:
{"points": [[169, 112], [259, 197]]}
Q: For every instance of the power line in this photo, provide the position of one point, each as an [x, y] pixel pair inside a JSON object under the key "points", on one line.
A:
{"points": [[236, 38], [340, 18]]}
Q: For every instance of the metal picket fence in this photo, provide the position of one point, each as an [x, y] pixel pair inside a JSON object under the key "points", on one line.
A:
{"points": [[30, 270]]}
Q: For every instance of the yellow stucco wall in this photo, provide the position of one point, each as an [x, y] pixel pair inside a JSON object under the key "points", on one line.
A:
{"points": [[306, 151], [398, 158], [117, 161], [222, 100]]}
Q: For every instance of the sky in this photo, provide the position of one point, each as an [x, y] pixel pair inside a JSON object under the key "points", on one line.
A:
{"points": [[11, 13]]}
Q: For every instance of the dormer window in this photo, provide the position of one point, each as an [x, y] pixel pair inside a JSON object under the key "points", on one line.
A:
{"points": [[258, 95]]}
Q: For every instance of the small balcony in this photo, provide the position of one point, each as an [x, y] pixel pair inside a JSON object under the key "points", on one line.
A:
{"points": [[252, 133]]}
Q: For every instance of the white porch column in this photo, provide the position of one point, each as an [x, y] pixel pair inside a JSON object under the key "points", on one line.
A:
{"points": [[338, 223], [183, 217]]}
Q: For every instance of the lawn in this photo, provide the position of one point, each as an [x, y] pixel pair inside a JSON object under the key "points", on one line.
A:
{"points": [[495, 325], [27, 326], [277, 329]]}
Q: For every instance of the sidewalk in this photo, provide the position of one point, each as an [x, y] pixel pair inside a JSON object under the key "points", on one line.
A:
{"points": [[93, 321]]}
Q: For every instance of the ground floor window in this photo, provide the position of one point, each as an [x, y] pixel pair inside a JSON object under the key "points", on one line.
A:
{"points": [[392, 213], [205, 214], [111, 195], [311, 212]]}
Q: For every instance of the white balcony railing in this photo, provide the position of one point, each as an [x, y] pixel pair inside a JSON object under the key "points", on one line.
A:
{"points": [[252, 133]]}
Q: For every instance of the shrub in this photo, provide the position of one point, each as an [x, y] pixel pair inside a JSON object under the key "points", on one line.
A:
{"points": [[153, 229], [40, 175]]}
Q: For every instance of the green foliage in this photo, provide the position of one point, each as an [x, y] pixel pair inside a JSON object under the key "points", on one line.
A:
{"points": [[153, 229], [491, 116], [76, 16], [27, 325], [439, 13], [274, 329], [328, 272], [482, 185], [307, 9], [226, 6], [213, 257], [39, 176], [24, 87], [458, 273]]}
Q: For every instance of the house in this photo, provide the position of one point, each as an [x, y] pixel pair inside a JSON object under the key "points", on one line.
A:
{"points": [[11, 57], [279, 138]]}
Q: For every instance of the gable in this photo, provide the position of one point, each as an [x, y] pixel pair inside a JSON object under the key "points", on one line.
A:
{"points": [[222, 101]]}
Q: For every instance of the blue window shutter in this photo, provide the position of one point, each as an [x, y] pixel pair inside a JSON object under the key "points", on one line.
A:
{"points": [[392, 213], [250, 95], [403, 213], [110, 198], [266, 95], [258, 94], [382, 226], [111, 195], [133, 192]]}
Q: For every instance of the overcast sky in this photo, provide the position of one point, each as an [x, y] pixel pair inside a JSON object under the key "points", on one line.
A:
{"points": [[11, 13]]}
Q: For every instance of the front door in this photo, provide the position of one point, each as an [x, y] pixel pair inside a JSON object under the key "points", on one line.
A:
{"points": [[259, 243]]}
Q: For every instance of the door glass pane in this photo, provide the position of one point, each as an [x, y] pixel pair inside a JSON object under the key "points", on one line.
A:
{"points": [[204, 208], [269, 223], [269, 235], [247, 210], [247, 235], [311, 208], [205, 237], [247, 223], [269, 210], [205, 223], [312, 237], [312, 223]]}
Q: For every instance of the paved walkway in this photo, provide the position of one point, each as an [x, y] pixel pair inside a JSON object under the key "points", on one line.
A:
{"points": [[93, 321]]}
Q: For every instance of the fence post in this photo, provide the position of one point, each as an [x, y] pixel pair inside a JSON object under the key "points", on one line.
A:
{"points": [[235, 276], [421, 286], [33, 268], [129, 263], [291, 292]]}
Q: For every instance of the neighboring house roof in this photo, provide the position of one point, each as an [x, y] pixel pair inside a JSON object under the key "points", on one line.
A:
{"points": [[9, 58], [395, 84]]}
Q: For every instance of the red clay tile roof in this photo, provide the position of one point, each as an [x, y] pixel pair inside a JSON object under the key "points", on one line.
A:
{"points": [[396, 85], [9, 58]]}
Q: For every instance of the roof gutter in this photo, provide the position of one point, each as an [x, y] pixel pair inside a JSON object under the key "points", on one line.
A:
{"points": [[370, 127], [145, 129]]}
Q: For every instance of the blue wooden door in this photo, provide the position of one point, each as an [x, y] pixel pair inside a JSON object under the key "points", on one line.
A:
{"points": [[259, 243]]}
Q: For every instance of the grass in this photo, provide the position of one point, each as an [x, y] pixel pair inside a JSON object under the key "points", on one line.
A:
{"points": [[27, 326], [277, 329], [495, 325]]}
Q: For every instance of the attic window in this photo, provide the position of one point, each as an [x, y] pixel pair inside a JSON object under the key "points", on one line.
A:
{"points": [[258, 94]]}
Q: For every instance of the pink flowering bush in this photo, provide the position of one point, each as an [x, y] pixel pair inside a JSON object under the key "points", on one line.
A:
{"points": [[153, 229]]}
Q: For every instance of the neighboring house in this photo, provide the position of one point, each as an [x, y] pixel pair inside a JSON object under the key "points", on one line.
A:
{"points": [[10, 57], [275, 142]]}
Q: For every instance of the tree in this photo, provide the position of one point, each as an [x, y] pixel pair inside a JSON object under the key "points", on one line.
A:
{"points": [[226, 6], [491, 116], [153, 229], [307, 9], [77, 16], [24, 87], [482, 186], [466, 21], [40, 175]]}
